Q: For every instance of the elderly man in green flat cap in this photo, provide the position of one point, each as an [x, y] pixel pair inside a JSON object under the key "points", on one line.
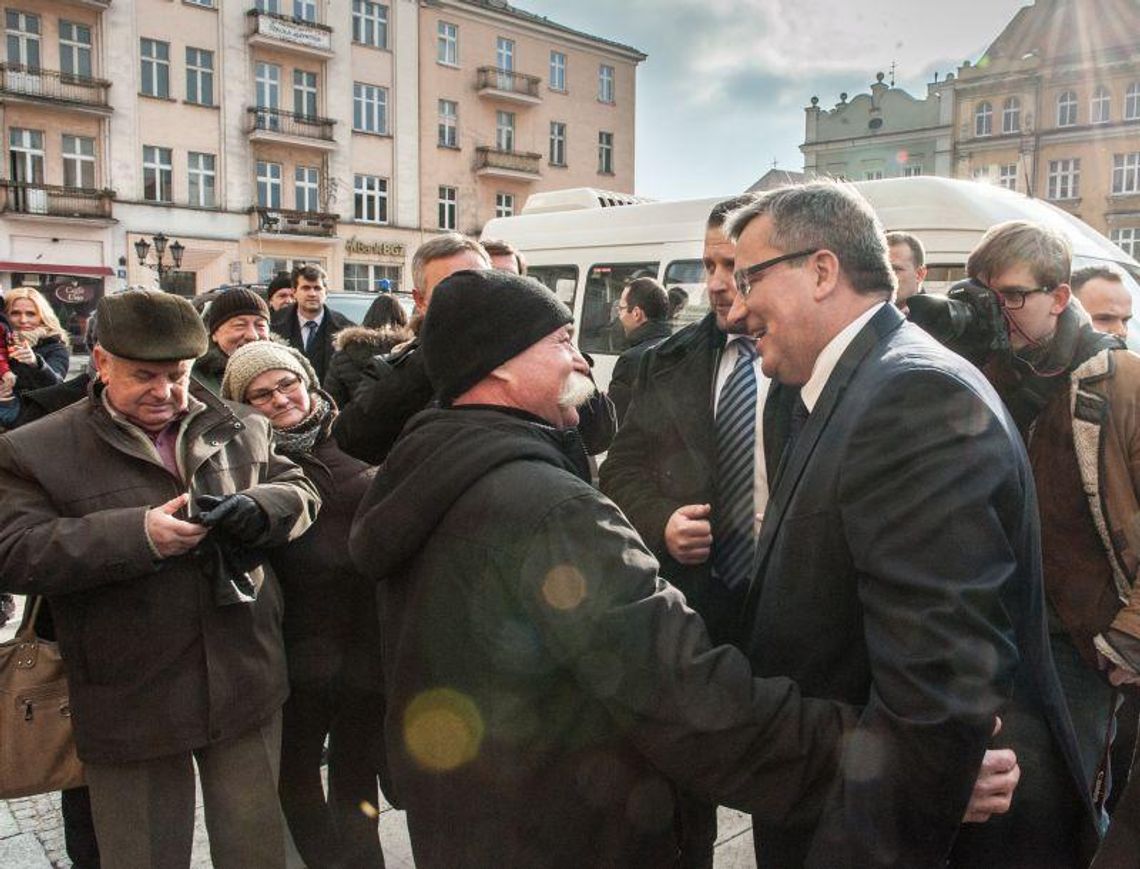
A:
{"points": [[141, 514]]}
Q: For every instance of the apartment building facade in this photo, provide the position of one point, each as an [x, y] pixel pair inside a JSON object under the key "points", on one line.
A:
{"points": [[255, 134]]}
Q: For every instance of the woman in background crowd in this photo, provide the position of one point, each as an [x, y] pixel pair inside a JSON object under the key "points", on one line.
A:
{"points": [[37, 349]]}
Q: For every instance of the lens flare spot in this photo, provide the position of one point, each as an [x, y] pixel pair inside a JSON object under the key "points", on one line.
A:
{"points": [[902, 157], [443, 730], [564, 588], [369, 810]]}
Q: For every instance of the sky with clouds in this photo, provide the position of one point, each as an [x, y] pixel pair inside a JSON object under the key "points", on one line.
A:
{"points": [[723, 92]]}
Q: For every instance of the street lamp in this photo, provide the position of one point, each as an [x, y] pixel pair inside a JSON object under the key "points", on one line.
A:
{"points": [[142, 248]]}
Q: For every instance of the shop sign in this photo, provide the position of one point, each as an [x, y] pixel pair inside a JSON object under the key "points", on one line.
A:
{"points": [[354, 246], [74, 294], [299, 34]]}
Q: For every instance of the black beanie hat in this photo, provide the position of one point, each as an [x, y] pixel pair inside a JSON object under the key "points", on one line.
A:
{"points": [[235, 303], [150, 326], [477, 320]]}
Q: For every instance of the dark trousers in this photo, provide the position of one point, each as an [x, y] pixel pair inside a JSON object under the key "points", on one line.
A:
{"points": [[341, 831], [79, 828], [696, 832]]}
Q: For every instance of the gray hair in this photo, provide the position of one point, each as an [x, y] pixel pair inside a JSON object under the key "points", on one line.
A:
{"points": [[825, 215], [1021, 242], [441, 247]]}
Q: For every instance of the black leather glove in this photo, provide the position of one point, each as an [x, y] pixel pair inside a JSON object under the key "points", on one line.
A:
{"points": [[239, 516]]}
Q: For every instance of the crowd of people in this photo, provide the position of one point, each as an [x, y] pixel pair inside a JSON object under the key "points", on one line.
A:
{"points": [[830, 572]]}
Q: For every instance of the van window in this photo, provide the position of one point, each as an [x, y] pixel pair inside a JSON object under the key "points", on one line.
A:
{"points": [[940, 278], [689, 275], [560, 280], [601, 331]]}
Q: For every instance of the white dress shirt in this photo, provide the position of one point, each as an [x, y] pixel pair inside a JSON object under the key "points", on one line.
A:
{"points": [[829, 357]]}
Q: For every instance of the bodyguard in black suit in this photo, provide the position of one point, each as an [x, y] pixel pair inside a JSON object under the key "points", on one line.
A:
{"points": [[898, 564], [292, 321]]}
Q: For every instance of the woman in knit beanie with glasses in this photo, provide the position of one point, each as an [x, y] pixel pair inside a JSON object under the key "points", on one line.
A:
{"points": [[331, 639]]}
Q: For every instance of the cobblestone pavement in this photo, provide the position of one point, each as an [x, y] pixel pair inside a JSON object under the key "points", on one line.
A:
{"points": [[31, 832]]}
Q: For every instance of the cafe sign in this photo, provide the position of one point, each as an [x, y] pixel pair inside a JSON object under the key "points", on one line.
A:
{"points": [[74, 294], [354, 246]]}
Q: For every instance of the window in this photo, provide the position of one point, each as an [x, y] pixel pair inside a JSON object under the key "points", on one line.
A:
{"points": [[267, 77], [369, 108], [304, 93], [202, 174], [1007, 176], [370, 23], [306, 10], [1132, 102], [200, 76], [912, 171], [158, 174], [604, 284], [1011, 116], [504, 204], [1128, 238], [984, 120], [74, 49], [307, 188], [447, 44], [208, 4], [606, 153], [371, 197], [505, 54], [366, 277], [1126, 173], [268, 184], [448, 208], [557, 143], [23, 31], [505, 131], [557, 71], [1064, 179], [26, 153], [982, 174], [155, 68], [1101, 106], [448, 124], [560, 280], [1067, 109], [273, 7], [873, 175], [606, 83], [78, 161]]}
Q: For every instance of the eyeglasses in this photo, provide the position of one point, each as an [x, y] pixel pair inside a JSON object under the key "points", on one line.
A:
{"points": [[745, 278], [1013, 298], [284, 386]]}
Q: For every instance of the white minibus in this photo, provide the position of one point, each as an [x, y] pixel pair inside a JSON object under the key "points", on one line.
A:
{"points": [[586, 244]]}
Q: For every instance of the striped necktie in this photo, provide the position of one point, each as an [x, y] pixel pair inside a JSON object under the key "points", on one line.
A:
{"points": [[310, 329], [733, 536]]}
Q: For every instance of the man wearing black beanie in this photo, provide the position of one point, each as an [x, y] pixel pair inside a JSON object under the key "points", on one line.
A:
{"points": [[526, 620], [236, 317]]}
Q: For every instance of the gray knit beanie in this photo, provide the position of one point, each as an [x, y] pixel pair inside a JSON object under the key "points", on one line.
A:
{"points": [[257, 357], [477, 320]]}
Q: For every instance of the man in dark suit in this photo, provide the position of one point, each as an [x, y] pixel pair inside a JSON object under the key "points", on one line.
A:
{"points": [[898, 566], [309, 324], [643, 311]]}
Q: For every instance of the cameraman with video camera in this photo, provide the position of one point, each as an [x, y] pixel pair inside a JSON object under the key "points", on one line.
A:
{"points": [[1075, 396]]}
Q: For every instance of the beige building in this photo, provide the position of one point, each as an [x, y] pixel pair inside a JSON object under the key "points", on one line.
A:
{"points": [[513, 104], [261, 133], [1053, 109]]}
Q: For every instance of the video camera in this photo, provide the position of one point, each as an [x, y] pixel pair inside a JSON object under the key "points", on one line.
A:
{"points": [[968, 320]]}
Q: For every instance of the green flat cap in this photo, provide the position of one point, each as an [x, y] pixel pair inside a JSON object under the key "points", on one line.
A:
{"points": [[150, 326]]}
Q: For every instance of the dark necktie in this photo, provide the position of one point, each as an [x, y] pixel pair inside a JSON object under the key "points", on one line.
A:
{"points": [[799, 419], [733, 539], [310, 329]]}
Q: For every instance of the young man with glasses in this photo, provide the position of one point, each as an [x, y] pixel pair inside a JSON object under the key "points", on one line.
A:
{"points": [[1074, 394], [897, 564]]}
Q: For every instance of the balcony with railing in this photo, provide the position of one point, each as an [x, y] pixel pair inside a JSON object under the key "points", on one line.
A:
{"points": [[284, 221], [508, 86], [276, 125], [32, 84], [275, 30], [52, 201], [519, 165]]}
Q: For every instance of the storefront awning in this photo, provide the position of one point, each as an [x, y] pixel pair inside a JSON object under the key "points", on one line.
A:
{"points": [[52, 269]]}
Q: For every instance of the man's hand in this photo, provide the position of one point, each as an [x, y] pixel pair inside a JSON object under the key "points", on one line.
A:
{"points": [[688, 534], [172, 536], [238, 515], [997, 780]]}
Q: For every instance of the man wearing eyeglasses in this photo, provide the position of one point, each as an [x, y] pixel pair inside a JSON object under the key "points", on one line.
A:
{"points": [[1074, 394], [897, 566]]}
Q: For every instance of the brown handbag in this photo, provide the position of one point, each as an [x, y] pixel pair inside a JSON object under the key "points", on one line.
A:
{"points": [[37, 746]]}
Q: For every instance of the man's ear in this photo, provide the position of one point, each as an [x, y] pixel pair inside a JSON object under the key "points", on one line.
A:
{"points": [[824, 267], [920, 273], [418, 299], [101, 357], [1062, 293]]}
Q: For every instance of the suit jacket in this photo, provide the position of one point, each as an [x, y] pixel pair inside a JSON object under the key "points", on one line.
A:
{"points": [[644, 338], [286, 324], [664, 456], [899, 569]]}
